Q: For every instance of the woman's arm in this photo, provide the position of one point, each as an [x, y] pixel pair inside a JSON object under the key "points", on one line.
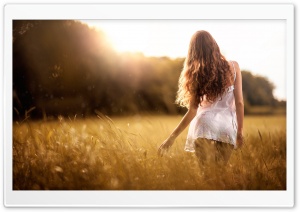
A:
{"points": [[239, 104], [185, 121]]}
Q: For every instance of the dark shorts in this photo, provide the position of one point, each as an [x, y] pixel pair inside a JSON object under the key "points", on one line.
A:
{"points": [[212, 151]]}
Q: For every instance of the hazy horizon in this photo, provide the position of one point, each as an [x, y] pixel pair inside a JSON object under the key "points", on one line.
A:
{"points": [[257, 45]]}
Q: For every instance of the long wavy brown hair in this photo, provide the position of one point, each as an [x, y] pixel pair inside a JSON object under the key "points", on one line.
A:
{"points": [[206, 73]]}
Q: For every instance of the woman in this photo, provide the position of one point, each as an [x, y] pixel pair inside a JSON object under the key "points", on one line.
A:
{"points": [[211, 88]]}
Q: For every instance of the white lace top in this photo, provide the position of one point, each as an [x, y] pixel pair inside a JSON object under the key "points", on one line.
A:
{"points": [[216, 121]]}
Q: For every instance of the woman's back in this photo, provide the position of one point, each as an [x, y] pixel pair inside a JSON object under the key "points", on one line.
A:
{"points": [[216, 120]]}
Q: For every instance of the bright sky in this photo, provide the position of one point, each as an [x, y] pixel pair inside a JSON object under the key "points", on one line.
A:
{"points": [[257, 45]]}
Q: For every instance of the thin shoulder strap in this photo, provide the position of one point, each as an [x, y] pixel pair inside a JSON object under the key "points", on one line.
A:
{"points": [[233, 70]]}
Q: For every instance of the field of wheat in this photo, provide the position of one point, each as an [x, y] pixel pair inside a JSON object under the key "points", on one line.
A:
{"points": [[120, 153]]}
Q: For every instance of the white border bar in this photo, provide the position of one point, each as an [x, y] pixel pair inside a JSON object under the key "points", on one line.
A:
{"points": [[290, 124], [148, 11]]}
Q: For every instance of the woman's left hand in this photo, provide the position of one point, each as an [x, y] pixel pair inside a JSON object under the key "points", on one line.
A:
{"points": [[240, 140], [165, 146]]}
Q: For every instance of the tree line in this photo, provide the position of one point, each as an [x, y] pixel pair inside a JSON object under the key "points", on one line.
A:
{"points": [[65, 67]]}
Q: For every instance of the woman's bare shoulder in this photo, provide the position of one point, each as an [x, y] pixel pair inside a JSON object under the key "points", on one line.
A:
{"points": [[235, 64]]}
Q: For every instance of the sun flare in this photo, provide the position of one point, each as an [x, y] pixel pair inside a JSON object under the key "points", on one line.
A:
{"points": [[171, 38], [150, 38]]}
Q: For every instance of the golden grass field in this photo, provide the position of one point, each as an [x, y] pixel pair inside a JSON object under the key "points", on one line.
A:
{"points": [[120, 153]]}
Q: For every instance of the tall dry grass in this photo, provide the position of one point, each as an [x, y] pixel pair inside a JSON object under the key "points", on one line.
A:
{"points": [[121, 154]]}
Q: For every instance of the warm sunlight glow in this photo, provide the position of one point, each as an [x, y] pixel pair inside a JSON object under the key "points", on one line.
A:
{"points": [[128, 38], [149, 37], [255, 44]]}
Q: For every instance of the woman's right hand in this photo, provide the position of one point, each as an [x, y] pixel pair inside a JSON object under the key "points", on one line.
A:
{"points": [[165, 146]]}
